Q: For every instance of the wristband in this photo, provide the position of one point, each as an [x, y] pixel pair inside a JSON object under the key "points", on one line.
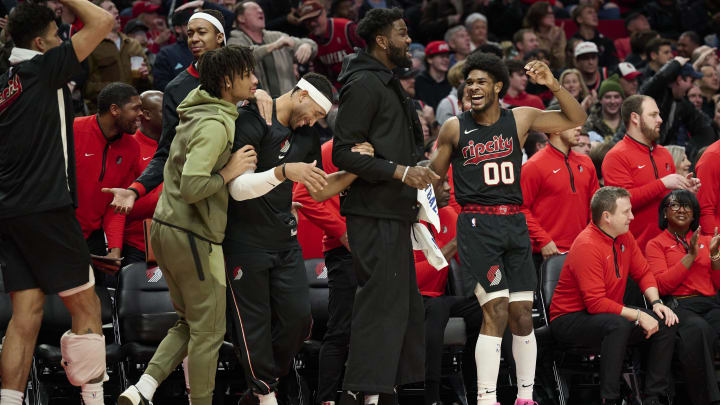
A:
{"points": [[283, 172], [658, 301], [137, 193], [405, 174]]}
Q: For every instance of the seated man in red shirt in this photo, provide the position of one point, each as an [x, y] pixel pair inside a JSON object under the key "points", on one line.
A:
{"points": [[516, 95], [438, 306], [105, 158], [147, 139], [587, 306]]}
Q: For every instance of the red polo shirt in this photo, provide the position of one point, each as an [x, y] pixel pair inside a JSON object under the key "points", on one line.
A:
{"points": [[664, 253], [708, 171], [638, 168], [102, 163], [144, 207], [590, 280], [553, 183], [524, 100], [432, 282]]}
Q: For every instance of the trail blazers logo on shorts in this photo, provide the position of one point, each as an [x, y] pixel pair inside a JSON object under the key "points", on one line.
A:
{"points": [[153, 275], [10, 93], [498, 148], [494, 275], [321, 271]]}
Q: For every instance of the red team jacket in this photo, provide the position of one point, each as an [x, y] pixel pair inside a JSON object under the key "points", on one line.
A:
{"points": [[556, 196], [432, 282], [145, 206], [326, 214], [590, 281], [664, 253], [708, 171], [101, 164], [638, 169]]}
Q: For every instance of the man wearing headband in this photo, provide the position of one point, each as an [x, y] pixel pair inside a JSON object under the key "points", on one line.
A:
{"points": [[205, 33], [270, 304]]}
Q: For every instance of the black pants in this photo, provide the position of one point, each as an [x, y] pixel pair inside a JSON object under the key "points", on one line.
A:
{"points": [[269, 304], [131, 255], [388, 325], [438, 311], [698, 333], [334, 350], [612, 333]]}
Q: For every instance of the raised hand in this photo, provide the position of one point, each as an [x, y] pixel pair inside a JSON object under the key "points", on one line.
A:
{"points": [[123, 199], [541, 74], [714, 243], [692, 247]]}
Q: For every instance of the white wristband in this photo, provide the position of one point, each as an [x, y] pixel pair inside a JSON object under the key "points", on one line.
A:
{"points": [[405, 174]]}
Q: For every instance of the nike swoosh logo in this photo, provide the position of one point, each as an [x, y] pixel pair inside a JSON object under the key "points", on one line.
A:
{"points": [[641, 166], [147, 158], [467, 132], [89, 154], [281, 157], [556, 170]]}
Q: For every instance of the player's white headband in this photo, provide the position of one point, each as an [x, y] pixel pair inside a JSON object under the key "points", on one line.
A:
{"points": [[212, 20], [315, 94]]}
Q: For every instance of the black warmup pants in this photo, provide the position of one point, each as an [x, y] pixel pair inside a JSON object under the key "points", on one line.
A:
{"points": [[269, 304], [97, 246], [438, 311], [612, 334], [131, 255], [698, 333], [334, 350], [388, 333]]}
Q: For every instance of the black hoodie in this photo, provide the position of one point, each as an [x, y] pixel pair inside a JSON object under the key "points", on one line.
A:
{"points": [[375, 109]]}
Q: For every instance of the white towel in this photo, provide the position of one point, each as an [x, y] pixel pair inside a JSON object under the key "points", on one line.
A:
{"points": [[420, 235]]}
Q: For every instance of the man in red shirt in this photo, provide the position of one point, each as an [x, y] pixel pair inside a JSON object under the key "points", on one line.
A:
{"points": [[147, 139], [516, 95], [708, 172], [557, 179], [642, 167], [105, 158], [587, 306]]}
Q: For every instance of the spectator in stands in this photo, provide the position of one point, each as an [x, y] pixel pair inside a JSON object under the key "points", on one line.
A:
{"points": [[704, 56], [658, 52], [587, 306], [586, 61], [639, 164], [448, 106], [682, 164], [274, 51], [458, 40], [709, 85], [536, 141], [685, 265], [604, 119], [687, 43], [173, 59], [283, 16], [43, 250], [477, 26], [584, 145], [439, 307], [516, 95], [111, 62], [524, 41], [585, 16], [136, 30], [335, 38], [634, 22], [99, 165], [669, 87], [628, 78], [557, 179], [146, 136], [159, 34], [432, 84], [541, 19], [406, 76], [638, 41], [572, 81], [665, 17], [694, 95], [708, 172]]}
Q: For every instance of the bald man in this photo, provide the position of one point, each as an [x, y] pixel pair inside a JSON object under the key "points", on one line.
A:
{"points": [[147, 137]]}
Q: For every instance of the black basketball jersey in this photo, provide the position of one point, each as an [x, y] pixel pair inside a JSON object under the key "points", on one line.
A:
{"points": [[486, 163]]}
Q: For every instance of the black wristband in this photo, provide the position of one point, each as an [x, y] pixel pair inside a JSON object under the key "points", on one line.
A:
{"points": [[137, 193], [658, 301], [283, 172]]}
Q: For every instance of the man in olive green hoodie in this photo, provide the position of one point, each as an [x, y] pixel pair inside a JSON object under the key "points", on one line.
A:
{"points": [[190, 219]]}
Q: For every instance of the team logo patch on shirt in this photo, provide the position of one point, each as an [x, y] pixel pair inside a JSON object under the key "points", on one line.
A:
{"points": [[498, 148], [153, 275], [494, 275], [284, 147], [10, 93]]}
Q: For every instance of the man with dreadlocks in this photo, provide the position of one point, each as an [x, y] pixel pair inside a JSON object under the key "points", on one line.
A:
{"points": [[190, 219]]}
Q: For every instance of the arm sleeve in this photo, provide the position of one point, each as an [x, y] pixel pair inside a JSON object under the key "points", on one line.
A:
{"points": [[59, 65], [252, 185], [668, 277], [114, 227], [357, 108], [198, 181], [656, 85], [589, 275], [708, 193], [530, 184], [639, 269], [616, 174]]}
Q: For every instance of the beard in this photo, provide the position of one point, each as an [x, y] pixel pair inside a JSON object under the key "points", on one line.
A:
{"points": [[650, 133], [398, 56], [490, 99]]}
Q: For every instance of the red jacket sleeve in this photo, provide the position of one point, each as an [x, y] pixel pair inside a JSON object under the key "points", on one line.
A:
{"points": [[639, 269], [145, 206], [114, 227], [319, 213], [530, 184], [589, 275], [616, 173], [668, 277], [708, 195]]}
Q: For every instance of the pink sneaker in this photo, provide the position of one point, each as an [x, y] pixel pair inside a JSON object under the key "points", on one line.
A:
{"points": [[525, 402]]}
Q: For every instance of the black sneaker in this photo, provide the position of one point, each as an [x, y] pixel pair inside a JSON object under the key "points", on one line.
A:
{"points": [[132, 396]]}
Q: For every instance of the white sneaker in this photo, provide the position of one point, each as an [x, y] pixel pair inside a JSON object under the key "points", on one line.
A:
{"points": [[132, 396]]}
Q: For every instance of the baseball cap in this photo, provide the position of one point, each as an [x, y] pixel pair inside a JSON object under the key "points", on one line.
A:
{"points": [[144, 7], [688, 71], [407, 73], [585, 47], [628, 71], [436, 47], [134, 25], [309, 9]]}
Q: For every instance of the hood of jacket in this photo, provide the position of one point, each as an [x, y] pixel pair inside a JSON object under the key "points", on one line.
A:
{"points": [[199, 105], [363, 61]]}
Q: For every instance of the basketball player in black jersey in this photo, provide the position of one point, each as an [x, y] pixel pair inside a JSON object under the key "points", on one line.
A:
{"points": [[484, 146]]}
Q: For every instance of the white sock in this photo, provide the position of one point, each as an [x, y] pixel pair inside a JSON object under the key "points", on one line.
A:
{"points": [[92, 394], [524, 349], [147, 386], [487, 361], [372, 399], [186, 370], [11, 397], [268, 399]]}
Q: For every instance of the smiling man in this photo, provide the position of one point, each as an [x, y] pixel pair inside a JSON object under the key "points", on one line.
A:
{"points": [[604, 119]]}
